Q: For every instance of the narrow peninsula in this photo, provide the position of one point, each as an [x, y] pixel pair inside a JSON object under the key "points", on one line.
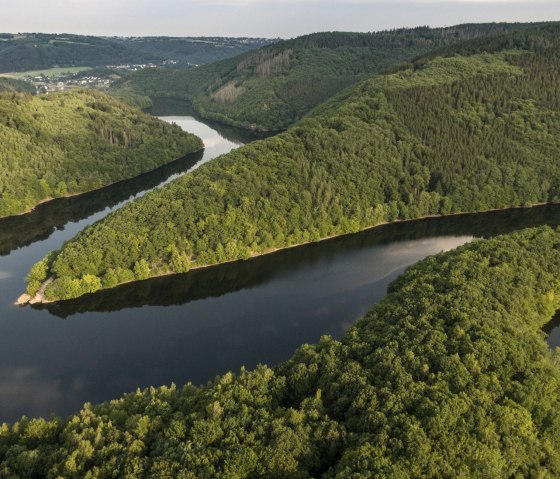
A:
{"points": [[473, 128]]}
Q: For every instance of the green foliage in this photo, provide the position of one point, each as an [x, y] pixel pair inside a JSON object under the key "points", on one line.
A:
{"points": [[141, 269], [74, 142], [449, 376], [458, 134], [273, 87], [38, 274]]}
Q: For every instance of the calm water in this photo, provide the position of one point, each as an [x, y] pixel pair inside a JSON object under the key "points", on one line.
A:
{"points": [[192, 327]]}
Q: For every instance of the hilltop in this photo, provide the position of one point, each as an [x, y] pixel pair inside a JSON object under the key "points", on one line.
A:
{"points": [[13, 85], [273, 87]]}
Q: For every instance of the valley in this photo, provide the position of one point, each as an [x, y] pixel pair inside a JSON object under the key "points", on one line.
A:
{"points": [[332, 256]]}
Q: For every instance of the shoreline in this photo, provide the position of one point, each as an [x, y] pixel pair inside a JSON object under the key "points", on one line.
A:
{"points": [[73, 195], [41, 300]]}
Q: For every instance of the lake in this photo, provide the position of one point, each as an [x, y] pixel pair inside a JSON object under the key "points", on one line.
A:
{"points": [[192, 327]]}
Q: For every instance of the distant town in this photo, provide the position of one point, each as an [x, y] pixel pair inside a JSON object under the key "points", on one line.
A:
{"points": [[99, 78]]}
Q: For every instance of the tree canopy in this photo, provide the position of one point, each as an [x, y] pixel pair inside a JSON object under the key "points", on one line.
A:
{"points": [[35, 51], [273, 87]]}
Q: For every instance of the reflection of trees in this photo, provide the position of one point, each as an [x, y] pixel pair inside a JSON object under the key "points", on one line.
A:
{"points": [[19, 231]]}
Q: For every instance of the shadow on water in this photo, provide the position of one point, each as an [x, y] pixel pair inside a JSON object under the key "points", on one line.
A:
{"points": [[39, 224], [219, 280]]}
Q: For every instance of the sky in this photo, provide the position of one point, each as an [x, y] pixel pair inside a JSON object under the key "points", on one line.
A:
{"points": [[257, 18]]}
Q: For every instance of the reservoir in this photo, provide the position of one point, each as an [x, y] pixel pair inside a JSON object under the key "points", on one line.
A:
{"points": [[192, 327]]}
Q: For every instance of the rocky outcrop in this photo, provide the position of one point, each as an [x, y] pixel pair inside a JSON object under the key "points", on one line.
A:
{"points": [[23, 299], [39, 296]]}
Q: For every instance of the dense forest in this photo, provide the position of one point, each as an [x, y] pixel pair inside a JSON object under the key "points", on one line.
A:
{"points": [[455, 134], [449, 376], [68, 143], [273, 87], [36, 51]]}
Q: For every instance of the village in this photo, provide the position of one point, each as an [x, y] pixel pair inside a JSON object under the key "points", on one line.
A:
{"points": [[98, 78]]}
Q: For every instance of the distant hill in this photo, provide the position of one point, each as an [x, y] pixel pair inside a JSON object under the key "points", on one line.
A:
{"points": [[68, 143], [273, 87], [35, 51], [194, 50], [473, 129]]}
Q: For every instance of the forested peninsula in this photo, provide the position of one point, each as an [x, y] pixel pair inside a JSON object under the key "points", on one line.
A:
{"points": [[68, 143], [273, 87], [449, 376], [474, 129]]}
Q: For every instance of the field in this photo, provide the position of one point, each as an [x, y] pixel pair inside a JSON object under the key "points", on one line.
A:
{"points": [[49, 72]]}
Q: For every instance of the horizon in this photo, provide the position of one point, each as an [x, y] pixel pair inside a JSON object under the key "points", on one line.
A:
{"points": [[267, 38], [260, 18]]}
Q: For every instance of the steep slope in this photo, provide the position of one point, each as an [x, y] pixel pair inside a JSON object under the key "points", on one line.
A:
{"points": [[70, 143], [273, 87], [460, 133], [449, 376]]}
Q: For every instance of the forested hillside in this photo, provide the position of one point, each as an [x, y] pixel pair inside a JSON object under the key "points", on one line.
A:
{"points": [[69, 143], [457, 134], [36, 51], [273, 87], [449, 376]]}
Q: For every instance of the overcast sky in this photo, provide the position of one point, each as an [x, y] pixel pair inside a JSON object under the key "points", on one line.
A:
{"points": [[265, 18]]}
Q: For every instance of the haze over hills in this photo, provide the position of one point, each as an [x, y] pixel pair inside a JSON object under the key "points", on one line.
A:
{"points": [[36, 51], [470, 130], [273, 87], [68, 143]]}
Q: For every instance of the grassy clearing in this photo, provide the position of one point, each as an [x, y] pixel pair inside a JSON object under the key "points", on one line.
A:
{"points": [[47, 72]]}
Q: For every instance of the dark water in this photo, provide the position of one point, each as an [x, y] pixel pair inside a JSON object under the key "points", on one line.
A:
{"points": [[192, 327]]}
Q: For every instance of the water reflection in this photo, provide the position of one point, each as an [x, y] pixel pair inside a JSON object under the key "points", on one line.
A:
{"points": [[51, 367], [23, 230], [259, 313], [169, 107]]}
